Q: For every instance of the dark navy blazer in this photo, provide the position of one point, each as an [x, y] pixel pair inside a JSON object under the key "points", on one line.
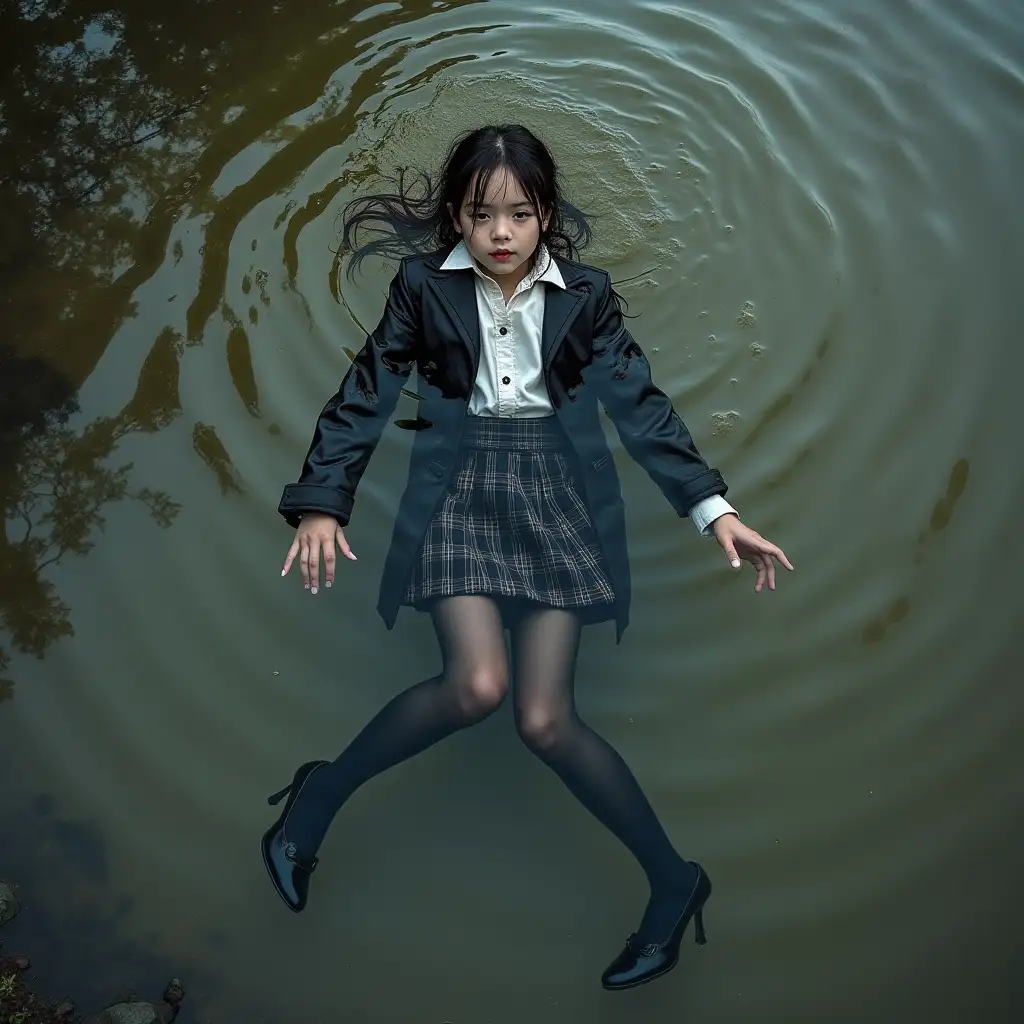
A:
{"points": [[431, 322]]}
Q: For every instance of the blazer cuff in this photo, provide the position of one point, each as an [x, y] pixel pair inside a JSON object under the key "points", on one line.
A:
{"points": [[300, 499], [709, 483], [705, 512]]}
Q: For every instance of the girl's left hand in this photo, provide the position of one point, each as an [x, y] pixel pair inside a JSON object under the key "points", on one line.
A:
{"points": [[739, 541]]}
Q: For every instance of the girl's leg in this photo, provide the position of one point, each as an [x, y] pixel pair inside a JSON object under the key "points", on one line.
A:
{"points": [[473, 683], [544, 646]]}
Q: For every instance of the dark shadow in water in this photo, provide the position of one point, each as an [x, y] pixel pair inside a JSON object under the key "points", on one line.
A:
{"points": [[942, 514], [77, 928]]}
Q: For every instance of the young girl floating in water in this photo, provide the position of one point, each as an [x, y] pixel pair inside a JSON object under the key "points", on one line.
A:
{"points": [[512, 516]]}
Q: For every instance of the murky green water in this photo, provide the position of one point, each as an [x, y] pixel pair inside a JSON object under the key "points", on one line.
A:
{"points": [[822, 203]]}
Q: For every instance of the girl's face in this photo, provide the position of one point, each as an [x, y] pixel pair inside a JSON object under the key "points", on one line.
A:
{"points": [[502, 235]]}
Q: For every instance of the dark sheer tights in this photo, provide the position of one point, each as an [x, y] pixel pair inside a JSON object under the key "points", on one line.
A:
{"points": [[472, 684], [544, 647]]}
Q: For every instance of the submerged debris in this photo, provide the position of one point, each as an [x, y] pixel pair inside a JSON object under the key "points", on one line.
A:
{"points": [[723, 422], [18, 1003], [746, 317], [9, 905]]}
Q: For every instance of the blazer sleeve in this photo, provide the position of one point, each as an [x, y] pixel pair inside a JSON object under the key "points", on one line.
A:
{"points": [[350, 425], [648, 425]]}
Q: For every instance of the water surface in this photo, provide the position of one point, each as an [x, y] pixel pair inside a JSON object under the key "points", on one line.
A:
{"points": [[819, 204]]}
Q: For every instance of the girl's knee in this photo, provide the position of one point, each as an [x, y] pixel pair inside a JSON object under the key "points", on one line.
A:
{"points": [[542, 727], [482, 688]]}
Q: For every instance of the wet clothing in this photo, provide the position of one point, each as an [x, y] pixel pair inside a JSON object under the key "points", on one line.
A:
{"points": [[432, 323], [513, 525]]}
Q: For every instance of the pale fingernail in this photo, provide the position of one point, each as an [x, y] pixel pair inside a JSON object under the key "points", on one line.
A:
{"points": [[313, 591], [735, 563], [327, 584], [283, 572]]}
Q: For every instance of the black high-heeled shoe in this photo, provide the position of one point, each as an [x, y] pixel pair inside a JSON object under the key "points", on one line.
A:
{"points": [[637, 964], [289, 874]]}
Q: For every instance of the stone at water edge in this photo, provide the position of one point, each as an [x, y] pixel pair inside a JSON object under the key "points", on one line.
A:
{"points": [[134, 1013], [9, 905], [175, 992], [64, 1010]]}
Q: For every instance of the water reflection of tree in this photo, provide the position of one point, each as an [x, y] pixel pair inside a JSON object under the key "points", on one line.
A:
{"points": [[55, 482], [116, 120], [118, 117], [99, 110]]}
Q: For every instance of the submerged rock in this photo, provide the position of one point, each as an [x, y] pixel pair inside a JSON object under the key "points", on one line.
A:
{"points": [[134, 1013], [17, 1001], [175, 992], [9, 905]]}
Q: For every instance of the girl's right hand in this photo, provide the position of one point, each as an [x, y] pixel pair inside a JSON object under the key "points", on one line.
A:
{"points": [[317, 532]]}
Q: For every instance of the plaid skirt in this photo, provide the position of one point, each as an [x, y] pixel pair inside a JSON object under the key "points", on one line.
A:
{"points": [[513, 525]]}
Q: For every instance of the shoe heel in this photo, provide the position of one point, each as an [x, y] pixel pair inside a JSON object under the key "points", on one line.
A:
{"points": [[278, 797], [698, 927], [298, 781]]}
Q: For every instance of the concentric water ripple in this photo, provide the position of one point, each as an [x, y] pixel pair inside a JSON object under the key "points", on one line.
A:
{"points": [[815, 210]]}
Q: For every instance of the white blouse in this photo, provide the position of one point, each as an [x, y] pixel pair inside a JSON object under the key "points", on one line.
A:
{"points": [[510, 378]]}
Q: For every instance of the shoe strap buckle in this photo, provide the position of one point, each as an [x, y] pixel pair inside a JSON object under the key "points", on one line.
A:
{"points": [[291, 851]]}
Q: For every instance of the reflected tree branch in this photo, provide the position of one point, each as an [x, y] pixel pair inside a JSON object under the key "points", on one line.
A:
{"points": [[57, 481], [105, 141]]}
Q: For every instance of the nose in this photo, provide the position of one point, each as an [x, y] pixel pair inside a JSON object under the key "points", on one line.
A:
{"points": [[501, 231]]}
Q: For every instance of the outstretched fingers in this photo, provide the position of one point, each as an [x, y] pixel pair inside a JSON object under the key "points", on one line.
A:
{"points": [[778, 554], [329, 561], [290, 557], [313, 565], [764, 558], [331, 558], [304, 560], [763, 566], [343, 544], [316, 537]]}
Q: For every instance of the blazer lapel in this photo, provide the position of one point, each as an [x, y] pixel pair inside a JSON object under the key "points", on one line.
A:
{"points": [[560, 311], [457, 294]]}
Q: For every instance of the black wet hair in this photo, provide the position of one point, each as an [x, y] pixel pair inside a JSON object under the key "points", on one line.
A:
{"points": [[415, 218]]}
